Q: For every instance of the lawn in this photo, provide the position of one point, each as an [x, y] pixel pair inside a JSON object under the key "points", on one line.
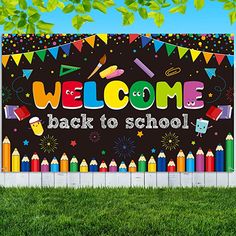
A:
{"points": [[134, 211]]}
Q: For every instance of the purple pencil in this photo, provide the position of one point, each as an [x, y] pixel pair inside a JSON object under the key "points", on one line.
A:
{"points": [[44, 165], [200, 159], [113, 166]]}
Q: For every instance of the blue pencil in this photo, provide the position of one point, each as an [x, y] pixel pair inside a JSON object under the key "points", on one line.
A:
{"points": [[122, 167], [161, 162], [93, 166], [25, 165], [219, 158], [54, 167], [190, 164]]}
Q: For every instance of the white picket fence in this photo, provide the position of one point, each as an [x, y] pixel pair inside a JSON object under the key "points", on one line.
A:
{"points": [[96, 179]]}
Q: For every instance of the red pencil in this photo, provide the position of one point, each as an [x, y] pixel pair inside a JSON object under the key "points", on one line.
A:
{"points": [[35, 163], [171, 166], [103, 167], [210, 161]]}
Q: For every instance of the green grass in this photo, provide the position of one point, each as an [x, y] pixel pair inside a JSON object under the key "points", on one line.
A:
{"points": [[137, 211]]}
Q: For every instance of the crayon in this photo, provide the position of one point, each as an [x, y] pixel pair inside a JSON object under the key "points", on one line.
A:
{"points": [[116, 73], [180, 161], [144, 67], [107, 71], [171, 166], [142, 163], [44, 165], [200, 160], [122, 167], [229, 153], [93, 166], [25, 164], [74, 166], [190, 164], [113, 166], [54, 165], [83, 166], [161, 162], [132, 166], [64, 163], [219, 158], [6, 155], [152, 166], [15, 161], [103, 167], [35, 163], [210, 161]]}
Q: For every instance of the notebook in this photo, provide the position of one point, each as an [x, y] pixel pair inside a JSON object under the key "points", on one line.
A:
{"points": [[226, 111], [22, 113], [214, 113], [9, 111]]}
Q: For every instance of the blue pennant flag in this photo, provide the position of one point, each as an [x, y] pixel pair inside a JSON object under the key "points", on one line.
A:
{"points": [[157, 45], [66, 48], [145, 41], [27, 73], [210, 72], [54, 51], [231, 59]]}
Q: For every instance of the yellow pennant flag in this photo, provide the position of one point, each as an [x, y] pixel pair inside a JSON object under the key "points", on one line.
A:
{"points": [[29, 56], [90, 40], [5, 59], [207, 56], [16, 58], [194, 54], [103, 37]]}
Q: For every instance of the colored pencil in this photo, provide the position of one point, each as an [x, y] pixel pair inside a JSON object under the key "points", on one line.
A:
{"points": [[200, 160], [35, 163], [103, 167], [25, 165], [122, 167], [190, 163], [171, 166], [74, 166], [142, 163], [64, 166], [180, 162], [93, 166], [44, 165], [161, 162], [6, 155], [113, 166], [219, 158], [229, 153], [152, 166], [54, 167], [15, 161], [132, 166], [210, 161], [83, 166]]}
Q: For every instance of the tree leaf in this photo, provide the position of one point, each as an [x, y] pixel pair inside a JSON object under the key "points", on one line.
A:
{"points": [[109, 3], [30, 29], [86, 5], [61, 5], [228, 5], [68, 8], [128, 2], [87, 18], [42, 25], [34, 18], [159, 19], [80, 8], [52, 5], [21, 23], [165, 5], [122, 9], [31, 11], [99, 6], [8, 26], [128, 18], [179, 9], [143, 12], [23, 4], [77, 22], [199, 4], [176, 1], [232, 17], [2, 20], [133, 6], [152, 14], [154, 6], [38, 3]]}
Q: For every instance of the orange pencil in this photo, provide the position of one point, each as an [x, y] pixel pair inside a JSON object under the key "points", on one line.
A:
{"points": [[132, 166], [6, 155], [64, 163], [180, 161]]}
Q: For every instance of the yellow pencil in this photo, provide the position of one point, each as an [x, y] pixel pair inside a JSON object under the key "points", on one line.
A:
{"points": [[6, 155], [83, 166], [15, 161], [152, 166], [64, 163]]}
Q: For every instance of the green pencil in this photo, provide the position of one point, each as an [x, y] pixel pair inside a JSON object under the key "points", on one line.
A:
{"points": [[74, 165], [142, 163], [229, 153]]}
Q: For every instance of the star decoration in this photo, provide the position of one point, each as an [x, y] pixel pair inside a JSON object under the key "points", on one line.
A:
{"points": [[103, 152], [140, 134], [193, 142], [26, 142], [73, 143], [153, 150], [27, 95], [210, 95]]}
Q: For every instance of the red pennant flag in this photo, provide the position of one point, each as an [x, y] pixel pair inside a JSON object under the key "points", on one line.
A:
{"points": [[219, 58], [78, 44], [132, 37]]}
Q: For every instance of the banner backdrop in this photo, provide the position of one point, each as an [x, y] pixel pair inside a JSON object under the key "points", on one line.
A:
{"points": [[117, 102]]}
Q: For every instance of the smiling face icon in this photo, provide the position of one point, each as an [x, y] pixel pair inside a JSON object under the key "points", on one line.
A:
{"points": [[36, 126]]}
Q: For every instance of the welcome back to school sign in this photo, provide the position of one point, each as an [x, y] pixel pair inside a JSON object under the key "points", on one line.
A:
{"points": [[117, 102]]}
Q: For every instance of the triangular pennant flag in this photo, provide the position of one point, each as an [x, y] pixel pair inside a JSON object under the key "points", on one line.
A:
{"points": [[29, 56], [78, 44], [170, 48], [5, 59], [231, 59], [65, 69], [90, 40], [145, 41], [207, 56], [41, 54], [66, 48], [219, 58], [157, 45], [210, 72], [182, 51], [54, 51], [194, 54], [16, 58], [132, 37], [27, 73], [103, 37]]}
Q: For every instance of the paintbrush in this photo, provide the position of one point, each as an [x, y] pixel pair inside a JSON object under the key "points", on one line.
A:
{"points": [[102, 61]]}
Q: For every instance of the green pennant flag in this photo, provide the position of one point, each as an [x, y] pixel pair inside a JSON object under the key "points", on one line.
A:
{"points": [[29, 56], [170, 48], [41, 54], [182, 51], [66, 69]]}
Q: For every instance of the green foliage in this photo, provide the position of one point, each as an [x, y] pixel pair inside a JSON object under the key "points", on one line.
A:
{"points": [[22, 16]]}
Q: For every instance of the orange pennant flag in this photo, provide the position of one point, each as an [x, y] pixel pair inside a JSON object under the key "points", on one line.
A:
{"points": [[194, 54], [16, 58], [103, 37], [90, 40], [207, 56], [219, 58], [5, 59]]}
